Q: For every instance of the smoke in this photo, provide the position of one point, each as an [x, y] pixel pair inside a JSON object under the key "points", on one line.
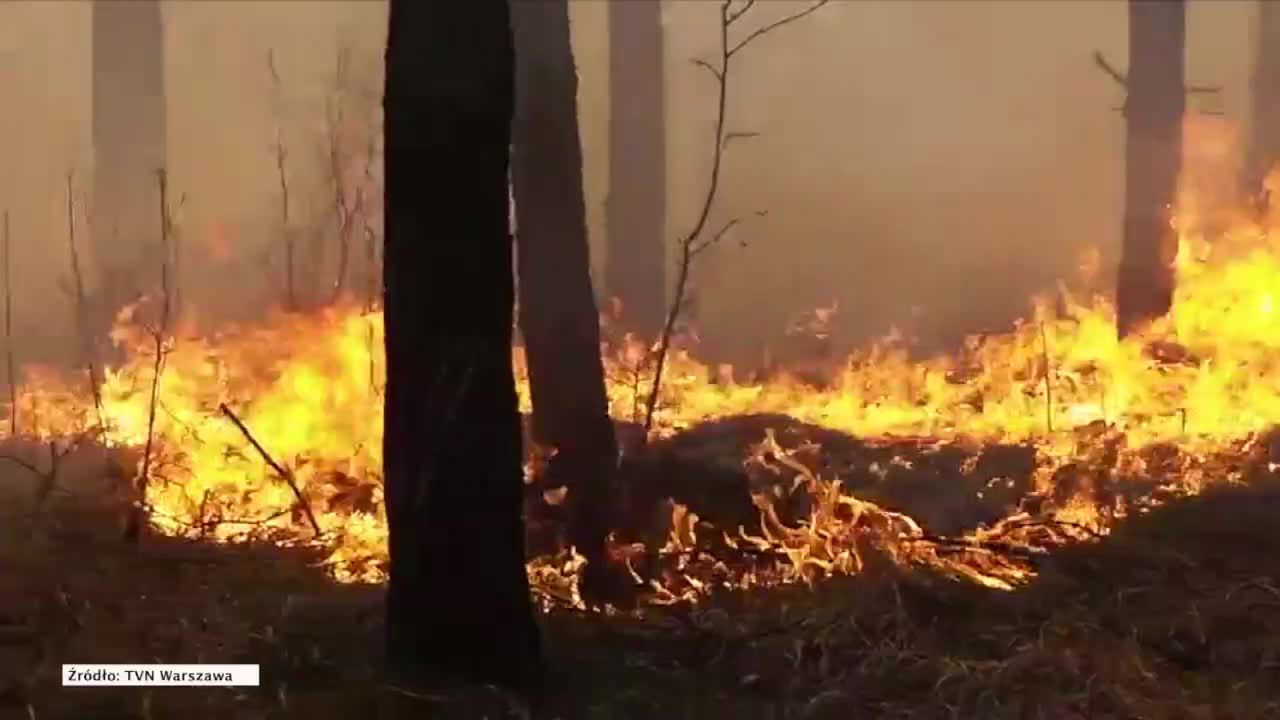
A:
{"points": [[924, 164]]}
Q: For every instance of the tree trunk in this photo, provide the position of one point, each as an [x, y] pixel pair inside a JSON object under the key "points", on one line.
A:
{"points": [[635, 265], [129, 148], [558, 316], [1264, 145], [1153, 152], [458, 601]]}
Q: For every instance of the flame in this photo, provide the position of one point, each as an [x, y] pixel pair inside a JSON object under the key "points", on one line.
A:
{"points": [[1204, 379]]}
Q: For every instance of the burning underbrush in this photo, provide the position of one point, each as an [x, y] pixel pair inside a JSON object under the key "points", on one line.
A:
{"points": [[1050, 523], [975, 464]]}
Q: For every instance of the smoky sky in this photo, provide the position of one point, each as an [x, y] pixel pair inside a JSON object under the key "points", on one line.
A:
{"points": [[930, 164]]}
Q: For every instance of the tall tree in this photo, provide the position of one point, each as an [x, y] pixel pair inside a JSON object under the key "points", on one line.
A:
{"points": [[1153, 156], [1264, 145], [636, 212], [558, 315], [129, 148], [458, 600]]}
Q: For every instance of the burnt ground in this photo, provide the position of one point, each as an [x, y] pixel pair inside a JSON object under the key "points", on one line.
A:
{"points": [[1175, 614]]}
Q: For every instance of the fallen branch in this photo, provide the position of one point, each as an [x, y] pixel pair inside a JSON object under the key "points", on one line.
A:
{"points": [[284, 473]]}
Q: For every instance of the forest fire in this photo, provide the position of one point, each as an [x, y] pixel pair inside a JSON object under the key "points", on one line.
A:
{"points": [[623, 361], [1203, 381]]}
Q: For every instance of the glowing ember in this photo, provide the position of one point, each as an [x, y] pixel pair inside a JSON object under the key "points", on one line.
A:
{"points": [[309, 387]]}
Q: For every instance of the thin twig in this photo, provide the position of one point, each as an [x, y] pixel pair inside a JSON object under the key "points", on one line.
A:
{"points": [[1048, 378], [284, 473], [166, 269], [1105, 66], [138, 519], [761, 32], [344, 212], [735, 15], [82, 306], [8, 333], [171, 244], [721, 233], [31, 467], [715, 73], [686, 244], [290, 292], [48, 478], [1122, 79], [372, 270]]}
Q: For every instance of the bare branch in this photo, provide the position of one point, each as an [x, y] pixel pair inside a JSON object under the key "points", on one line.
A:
{"points": [[271, 66], [775, 25], [1105, 66], [281, 153], [709, 68], [721, 233], [1122, 80], [344, 211], [692, 244], [735, 15], [82, 304], [139, 517]]}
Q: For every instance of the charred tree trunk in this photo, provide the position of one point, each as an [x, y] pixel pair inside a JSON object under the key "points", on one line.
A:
{"points": [[129, 148], [1264, 145], [635, 264], [1153, 156], [558, 316], [458, 602]]}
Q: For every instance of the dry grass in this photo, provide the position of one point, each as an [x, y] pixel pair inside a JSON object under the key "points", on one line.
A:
{"points": [[1174, 615]]}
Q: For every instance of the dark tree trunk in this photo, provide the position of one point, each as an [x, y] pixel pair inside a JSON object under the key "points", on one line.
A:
{"points": [[458, 602], [635, 264], [1264, 145], [129, 148], [1153, 157], [558, 316]]}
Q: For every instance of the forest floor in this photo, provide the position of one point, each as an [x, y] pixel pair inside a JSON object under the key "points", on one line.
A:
{"points": [[1174, 614]]}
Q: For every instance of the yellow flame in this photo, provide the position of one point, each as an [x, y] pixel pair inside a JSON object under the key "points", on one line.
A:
{"points": [[309, 387]]}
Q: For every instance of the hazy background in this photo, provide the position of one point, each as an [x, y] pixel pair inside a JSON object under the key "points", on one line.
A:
{"points": [[928, 163]]}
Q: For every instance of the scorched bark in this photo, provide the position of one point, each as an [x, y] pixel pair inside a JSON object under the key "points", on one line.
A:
{"points": [[1153, 155], [558, 317], [458, 600], [129, 148], [635, 265], [1264, 146]]}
